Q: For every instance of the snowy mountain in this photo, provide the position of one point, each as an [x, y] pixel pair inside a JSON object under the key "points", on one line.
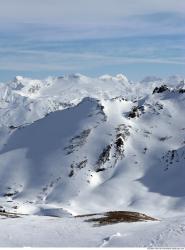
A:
{"points": [[78, 145]]}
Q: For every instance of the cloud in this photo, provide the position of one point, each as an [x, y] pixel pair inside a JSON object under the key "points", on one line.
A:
{"points": [[90, 35], [89, 19], [139, 25], [76, 62], [80, 11]]}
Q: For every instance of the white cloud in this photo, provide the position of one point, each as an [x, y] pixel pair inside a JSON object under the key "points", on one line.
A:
{"points": [[33, 34], [80, 11], [76, 62], [50, 20]]}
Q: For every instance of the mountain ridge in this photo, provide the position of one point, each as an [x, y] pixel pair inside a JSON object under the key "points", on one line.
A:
{"points": [[77, 139]]}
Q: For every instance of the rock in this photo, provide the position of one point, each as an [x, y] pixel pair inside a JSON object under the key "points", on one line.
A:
{"points": [[160, 89]]}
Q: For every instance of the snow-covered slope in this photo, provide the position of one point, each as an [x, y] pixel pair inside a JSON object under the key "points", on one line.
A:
{"points": [[38, 231], [86, 145]]}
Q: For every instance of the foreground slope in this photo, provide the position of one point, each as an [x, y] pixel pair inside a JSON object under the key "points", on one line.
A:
{"points": [[38, 231]]}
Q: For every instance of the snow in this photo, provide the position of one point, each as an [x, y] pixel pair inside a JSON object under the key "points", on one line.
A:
{"points": [[39, 231], [76, 145]]}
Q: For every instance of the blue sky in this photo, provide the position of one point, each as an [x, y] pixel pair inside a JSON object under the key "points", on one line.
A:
{"points": [[39, 38]]}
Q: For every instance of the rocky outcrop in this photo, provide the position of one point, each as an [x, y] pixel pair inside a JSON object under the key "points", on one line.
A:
{"points": [[160, 89]]}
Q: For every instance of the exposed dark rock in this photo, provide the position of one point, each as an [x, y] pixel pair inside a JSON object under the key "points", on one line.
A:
{"points": [[82, 164], [77, 141], [100, 170], [119, 98], [145, 149], [12, 127], [173, 158], [160, 89], [159, 105], [71, 173], [10, 194], [112, 153], [78, 165], [104, 156], [164, 138], [119, 145], [141, 108], [123, 131], [119, 142], [134, 113], [181, 91], [33, 89]]}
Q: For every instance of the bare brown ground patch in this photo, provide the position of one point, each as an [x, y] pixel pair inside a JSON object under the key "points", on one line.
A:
{"points": [[113, 217]]}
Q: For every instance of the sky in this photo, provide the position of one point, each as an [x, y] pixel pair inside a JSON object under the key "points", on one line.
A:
{"points": [[40, 38]]}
